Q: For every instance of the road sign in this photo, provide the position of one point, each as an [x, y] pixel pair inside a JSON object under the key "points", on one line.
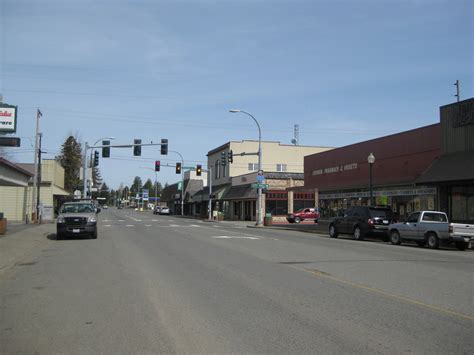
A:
{"points": [[260, 178], [10, 142], [260, 186]]}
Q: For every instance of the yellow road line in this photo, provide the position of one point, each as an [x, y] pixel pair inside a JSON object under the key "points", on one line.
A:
{"points": [[387, 294]]}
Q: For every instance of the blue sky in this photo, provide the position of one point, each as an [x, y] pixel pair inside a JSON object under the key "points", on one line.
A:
{"points": [[344, 71]]}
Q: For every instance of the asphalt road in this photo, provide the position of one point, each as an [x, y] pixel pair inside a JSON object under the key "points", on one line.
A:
{"points": [[159, 284]]}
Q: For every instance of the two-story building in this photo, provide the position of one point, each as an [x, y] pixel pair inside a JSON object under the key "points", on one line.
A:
{"points": [[231, 183]]}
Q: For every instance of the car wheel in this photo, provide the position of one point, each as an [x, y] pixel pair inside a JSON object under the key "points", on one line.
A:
{"points": [[395, 238], [358, 233], [333, 231], [462, 245], [297, 219], [420, 243], [432, 241]]}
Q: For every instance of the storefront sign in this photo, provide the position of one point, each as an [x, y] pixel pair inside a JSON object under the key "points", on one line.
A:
{"points": [[335, 169], [387, 193], [8, 118]]}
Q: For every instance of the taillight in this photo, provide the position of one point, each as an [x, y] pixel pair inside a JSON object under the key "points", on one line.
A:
{"points": [[370, 221]]}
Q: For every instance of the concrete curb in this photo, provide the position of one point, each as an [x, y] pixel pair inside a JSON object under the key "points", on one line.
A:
{"points": [[313, 231]]}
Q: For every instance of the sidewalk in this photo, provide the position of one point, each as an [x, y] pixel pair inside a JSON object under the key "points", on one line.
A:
{"points": [[21, 241]]}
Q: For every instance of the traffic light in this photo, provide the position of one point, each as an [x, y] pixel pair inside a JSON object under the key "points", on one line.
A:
{"points": [[96, 158], [178, 168], [198, 170], [164, 147], [230, 157], [137, 149], [105, 150], [157, 165], [223, 158]]}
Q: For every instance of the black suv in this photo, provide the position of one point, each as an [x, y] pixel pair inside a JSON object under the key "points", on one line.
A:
{"points": [[361, 221]]}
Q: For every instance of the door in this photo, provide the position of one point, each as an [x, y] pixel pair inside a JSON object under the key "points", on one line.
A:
{"points": [[345, 223], [411, 226]]}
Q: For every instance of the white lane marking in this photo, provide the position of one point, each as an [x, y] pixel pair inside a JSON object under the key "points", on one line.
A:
{"points": [[121, 220], [129, 225], [215, 226], [137, 220], [148, 225], [170, 220], [154, 220], [194, 225], [106, 220], [234, 237], [174, 225], [107, 225]]}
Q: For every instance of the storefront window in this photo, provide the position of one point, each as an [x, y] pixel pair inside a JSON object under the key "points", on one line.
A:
{"points": [[462, 204], [276, 203]]}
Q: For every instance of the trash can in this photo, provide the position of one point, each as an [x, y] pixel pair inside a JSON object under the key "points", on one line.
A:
{"points": [[267, 221], [3, 224]]}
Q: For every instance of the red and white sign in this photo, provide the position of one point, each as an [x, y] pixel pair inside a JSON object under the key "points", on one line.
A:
{"points": [[7, 119]]}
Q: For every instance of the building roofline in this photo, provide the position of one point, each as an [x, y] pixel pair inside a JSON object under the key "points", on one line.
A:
{"points": [[16, 167], [227, 145], [376, 139]]}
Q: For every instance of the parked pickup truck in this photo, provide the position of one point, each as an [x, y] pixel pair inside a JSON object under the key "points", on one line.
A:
{"points": [[425, 228], [462, 234]]}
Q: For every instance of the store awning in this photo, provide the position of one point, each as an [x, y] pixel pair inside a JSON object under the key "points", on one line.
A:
{"points": [[217, 192], [452, 167], [241, 192], [57, 191]]}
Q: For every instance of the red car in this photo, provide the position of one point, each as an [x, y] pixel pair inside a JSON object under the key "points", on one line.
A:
{"points": [[302, 214]]}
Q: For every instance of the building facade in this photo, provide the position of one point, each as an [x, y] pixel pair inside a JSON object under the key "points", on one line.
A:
{"points": [[231, 184], [341, 177]]}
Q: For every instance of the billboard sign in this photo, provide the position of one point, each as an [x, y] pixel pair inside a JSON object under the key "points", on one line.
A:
{"points": [[8, 118]]}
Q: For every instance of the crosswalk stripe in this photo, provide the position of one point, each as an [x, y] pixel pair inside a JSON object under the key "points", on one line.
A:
{"points": [[129, 225]]}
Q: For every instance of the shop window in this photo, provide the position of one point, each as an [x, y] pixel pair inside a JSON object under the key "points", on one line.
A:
{"points": [[462, 204]]}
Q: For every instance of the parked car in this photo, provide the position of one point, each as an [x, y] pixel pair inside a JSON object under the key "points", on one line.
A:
{"points": [[427, 228], [105, 207], [119, 207], [302, 214], [77, 218], [164, 210], [361, 221], [157, 210]]}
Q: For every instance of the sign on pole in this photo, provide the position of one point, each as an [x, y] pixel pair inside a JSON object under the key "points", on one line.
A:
{"points": [[8, 118]]}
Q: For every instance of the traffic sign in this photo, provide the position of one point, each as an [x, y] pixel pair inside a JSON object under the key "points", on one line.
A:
{"points": [[260, 186], [260, 178]]}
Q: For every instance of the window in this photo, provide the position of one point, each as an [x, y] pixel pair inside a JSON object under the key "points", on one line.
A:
{"points": [[413, 217], [253, 166], [224, 170], [217, 173], [281, 167]]}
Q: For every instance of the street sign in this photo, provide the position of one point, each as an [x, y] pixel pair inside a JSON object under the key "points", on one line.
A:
{"points": [[259, 186], [260, 178]]}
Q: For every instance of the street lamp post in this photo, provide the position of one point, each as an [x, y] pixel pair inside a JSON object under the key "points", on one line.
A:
{"points": [[259, 196], [371, 161]]}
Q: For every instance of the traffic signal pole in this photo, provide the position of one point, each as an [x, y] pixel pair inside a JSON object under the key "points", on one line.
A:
{"points": [[182, 180]]}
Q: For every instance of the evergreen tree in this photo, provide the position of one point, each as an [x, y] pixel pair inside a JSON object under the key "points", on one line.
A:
{"points": [[136, 186], [71, 160]]}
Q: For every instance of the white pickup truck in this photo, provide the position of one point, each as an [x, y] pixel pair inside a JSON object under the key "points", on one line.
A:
{"points": [[462, 234], [430, 228]]}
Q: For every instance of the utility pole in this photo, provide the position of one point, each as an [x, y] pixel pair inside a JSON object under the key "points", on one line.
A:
{"points": [[210, 192], [84, 170], [35, 178], [39, 216], [458, 91]]}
